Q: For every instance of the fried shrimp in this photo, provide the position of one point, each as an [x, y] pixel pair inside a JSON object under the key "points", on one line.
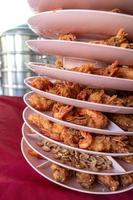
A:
{"points": [[40, 103], [86, 141], [71, 137], [61, 110], [86, 68], [101, 144], [43, 124], [110, 70], [113, 70], [99, 96], [95, 119], [66, 89], [41, 83]]}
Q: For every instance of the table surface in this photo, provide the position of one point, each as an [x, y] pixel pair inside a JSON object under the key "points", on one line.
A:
{"points": [[18, 180]]}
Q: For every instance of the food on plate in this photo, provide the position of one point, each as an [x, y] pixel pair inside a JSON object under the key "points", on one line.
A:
{"points": [[119, 40], [87, 181], [125, 72], [59, 62], [69, 113], [76, 91], [43, 124], [34, 154], [68, 37], [99, 96], [74, 158], [41, 83], [110, 70], [60, 174], [81, 116], [61, 110], [128, 100], [101, 143], [123, 121], [127, 159], [126, 179], [66, 89], [117, 10], [95, 118], [56, 131], [40, 103], [82, 139], [121, 144], [113, 70], [110, 182]]}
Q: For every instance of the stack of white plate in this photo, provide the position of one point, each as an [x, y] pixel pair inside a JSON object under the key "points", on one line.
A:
{"points": [[80, 21]]}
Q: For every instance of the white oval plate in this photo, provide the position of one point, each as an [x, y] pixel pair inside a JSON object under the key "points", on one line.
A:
{"points": [[42, 5], [37, 131], [79, 103], [112, 128], [81, 78], [72, 184], [82, 22], [75, 49], [69, 63], [32, 139]]}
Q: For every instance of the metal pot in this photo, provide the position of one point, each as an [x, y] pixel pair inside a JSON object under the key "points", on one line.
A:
{"points": [[14, 54]]}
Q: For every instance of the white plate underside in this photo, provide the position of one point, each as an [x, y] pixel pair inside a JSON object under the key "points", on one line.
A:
{"points": [[42, 5], [111, 129], [45, 171], [82, 22], [79, 103], [81, 78], [83, 50]]}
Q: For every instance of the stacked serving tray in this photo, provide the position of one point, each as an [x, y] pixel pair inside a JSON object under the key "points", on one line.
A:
{"points": [[89, 20]]}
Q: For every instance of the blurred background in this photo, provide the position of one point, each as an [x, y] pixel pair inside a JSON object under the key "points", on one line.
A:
{"points": [[13, 52]]}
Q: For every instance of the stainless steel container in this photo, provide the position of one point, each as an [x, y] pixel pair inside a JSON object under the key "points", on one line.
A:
{"points": [[14, 55]]}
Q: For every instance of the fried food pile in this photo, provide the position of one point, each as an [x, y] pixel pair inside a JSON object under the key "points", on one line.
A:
{"points": [[76, 91], [82, 139], [41, 103], [123, 121], [119, 40], [88, 181], [83, 117], [113, 70], [76, 159], [68, 113]]}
